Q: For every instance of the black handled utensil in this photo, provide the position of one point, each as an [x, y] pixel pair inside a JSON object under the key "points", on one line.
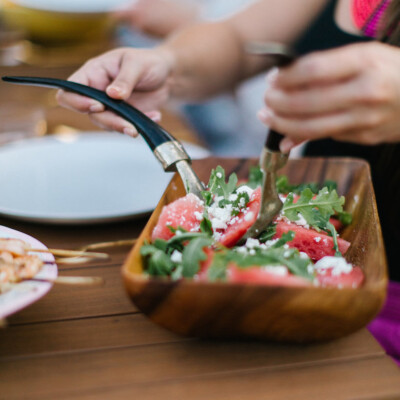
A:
{"points": [[164, 146], [271, 159]]}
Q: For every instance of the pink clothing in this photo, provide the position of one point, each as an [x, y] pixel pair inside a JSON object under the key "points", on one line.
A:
{"points": [[386, 327], [367, 15]]}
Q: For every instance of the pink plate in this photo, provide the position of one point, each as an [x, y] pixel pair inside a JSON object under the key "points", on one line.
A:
{"points": [[26, 293]]}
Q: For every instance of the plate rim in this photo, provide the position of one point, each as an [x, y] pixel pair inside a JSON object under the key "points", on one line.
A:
{"points": [[34, 290], [74, 219]]}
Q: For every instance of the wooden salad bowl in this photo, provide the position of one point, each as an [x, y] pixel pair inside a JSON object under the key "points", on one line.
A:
{"points": [[279, 313]]}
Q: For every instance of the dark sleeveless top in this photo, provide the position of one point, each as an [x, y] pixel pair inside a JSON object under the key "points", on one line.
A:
{"points": [[384, 159]]}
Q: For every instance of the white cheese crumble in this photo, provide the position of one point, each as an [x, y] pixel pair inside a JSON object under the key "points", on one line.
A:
{"points": [[317, 239], [279, 270], [249, 216], [176, 256], [245, 189], [198, 215], [338, 265], [220, 216], [301, 221]]}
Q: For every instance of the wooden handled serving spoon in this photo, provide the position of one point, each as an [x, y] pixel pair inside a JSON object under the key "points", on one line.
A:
{"points": [[271, 159]]}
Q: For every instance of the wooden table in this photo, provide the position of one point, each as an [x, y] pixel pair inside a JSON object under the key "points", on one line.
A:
{"points": [[92, 343]]}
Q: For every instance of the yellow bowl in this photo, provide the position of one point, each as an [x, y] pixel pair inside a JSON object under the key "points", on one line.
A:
{"points": [[53, 27]]}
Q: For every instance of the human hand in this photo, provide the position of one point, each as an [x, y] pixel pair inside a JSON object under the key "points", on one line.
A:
{"points": [[157, 17], [349, 94], [137, 76]]}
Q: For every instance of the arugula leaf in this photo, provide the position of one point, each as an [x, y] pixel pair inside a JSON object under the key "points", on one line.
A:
{"points": [[206, 226], [217, 183], [274, 256], [217, 270], [192, 255], [283, 186], [158, 262], [286, 237], [255, 177], [207, 197], [316, 211], [332, 231], [345, 217], [268, 233]]}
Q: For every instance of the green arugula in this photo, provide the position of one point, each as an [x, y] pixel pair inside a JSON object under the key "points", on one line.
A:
{"points": [[275, 255], [268, 233], [217, 270], [158, 255], [255, 177], [192, 255], [316, 211], [217, 184]]}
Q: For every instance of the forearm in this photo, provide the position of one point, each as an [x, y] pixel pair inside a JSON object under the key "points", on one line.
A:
{"points": [[206, 59], [209, 58]]}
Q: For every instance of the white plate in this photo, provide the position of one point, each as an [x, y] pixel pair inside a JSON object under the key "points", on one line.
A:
{"points": [[81, 178], [73, 6], [25, 293]]}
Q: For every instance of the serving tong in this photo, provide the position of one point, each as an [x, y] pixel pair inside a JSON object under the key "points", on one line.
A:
{"points": [[168, 151], [271, 159]]}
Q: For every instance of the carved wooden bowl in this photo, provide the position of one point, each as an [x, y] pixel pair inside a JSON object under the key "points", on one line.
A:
{"points": [[290, 314]]}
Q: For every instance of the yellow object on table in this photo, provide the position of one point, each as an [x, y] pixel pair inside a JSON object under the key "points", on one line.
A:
{"points": [[48, 26]]}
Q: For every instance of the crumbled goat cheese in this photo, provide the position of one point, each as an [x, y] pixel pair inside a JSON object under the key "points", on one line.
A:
{"points": [[338, 265], [317, 239], [279, 270], [249, 216], [233, 197], [219, 175], [301, 221], [245, 189], [176, 256], [198, 215], [220, 216], [251, 243]]}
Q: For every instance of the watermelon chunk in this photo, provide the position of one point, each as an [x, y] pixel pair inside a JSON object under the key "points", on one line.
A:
{"points": [[353, 279], [262, 276], [242, 222], [184, 212], [315, 244], [256, 274]]}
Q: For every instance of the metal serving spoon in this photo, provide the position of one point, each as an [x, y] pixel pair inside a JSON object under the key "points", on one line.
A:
{"points": [[164, 146], [271, 159]]}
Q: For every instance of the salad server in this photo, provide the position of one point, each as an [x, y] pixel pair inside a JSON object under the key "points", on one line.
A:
{"points": [[271, 159], [168, 151]]}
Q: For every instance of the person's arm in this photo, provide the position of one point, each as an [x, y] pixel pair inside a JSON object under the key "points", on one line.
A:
{"points": [[196, 62]]}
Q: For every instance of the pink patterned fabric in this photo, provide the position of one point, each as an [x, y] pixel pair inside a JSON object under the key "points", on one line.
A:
{"points": [[367, 15]]}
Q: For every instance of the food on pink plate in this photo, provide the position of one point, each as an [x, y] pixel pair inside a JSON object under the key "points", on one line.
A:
{"points": [[200, 239], [16, 264]]}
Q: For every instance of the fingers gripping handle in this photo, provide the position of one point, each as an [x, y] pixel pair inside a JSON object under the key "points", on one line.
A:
{"points": [[153, 134]]}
